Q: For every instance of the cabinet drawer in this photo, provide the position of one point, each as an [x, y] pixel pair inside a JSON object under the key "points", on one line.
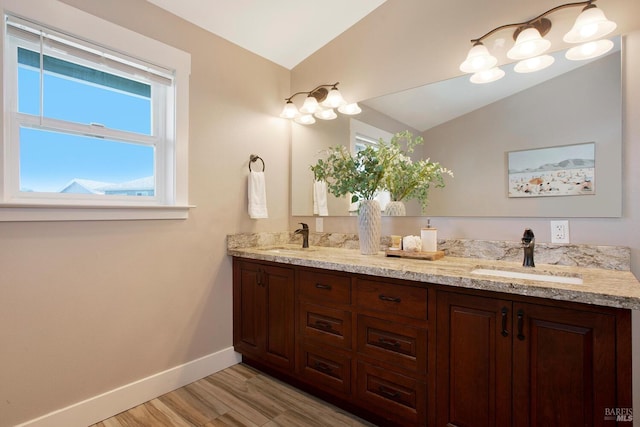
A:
{"points": [[400, 398], [327, 287], [402, 345], [391, 298], [325, 369], [325, 324]]}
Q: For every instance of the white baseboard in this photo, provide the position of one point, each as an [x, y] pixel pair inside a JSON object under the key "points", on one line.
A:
{"points": [[98, 408]]}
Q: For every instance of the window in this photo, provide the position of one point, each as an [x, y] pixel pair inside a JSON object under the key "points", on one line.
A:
{"points": [[88, 126], [364, 135]]}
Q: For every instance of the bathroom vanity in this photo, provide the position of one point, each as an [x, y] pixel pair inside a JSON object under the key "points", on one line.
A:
{"points": [[412, 342]]}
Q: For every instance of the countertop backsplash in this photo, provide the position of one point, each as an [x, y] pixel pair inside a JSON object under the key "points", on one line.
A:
{"points": [[590, 256]]}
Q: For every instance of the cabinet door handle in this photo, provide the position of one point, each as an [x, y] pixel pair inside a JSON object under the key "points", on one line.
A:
{"points": [[390, 299], [505, 332], [321, 324], [323, 286], [386, 392], [259, 277], [388, 343], [520, 325]]}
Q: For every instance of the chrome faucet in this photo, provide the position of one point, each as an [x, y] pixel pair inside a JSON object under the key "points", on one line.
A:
{"points": [[528, 243], [305, 234]]}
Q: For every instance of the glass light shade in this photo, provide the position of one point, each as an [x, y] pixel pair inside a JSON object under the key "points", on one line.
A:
{"points": [[305, 119], [590, 25], [326, 114], [589, 50], [289, 111], [478, 59], [350, 109], [487, 76], [529, 43], [334, 99], [310, 105], [536, 63]]}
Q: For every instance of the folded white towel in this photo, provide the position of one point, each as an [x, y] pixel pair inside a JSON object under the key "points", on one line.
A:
{"points": [[320, 198], [257, 195], [412, 243]]}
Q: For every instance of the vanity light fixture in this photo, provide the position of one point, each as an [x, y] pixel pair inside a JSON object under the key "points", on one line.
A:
{"points": [[530, 45], [319, 103]]}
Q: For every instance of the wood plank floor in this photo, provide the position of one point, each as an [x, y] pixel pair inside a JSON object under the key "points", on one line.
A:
{"points": [[236, 396]]}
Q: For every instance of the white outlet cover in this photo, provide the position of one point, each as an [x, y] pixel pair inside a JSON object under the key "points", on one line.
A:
{"points": [[560, 231]]}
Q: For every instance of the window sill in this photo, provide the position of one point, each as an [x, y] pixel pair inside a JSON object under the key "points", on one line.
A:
{"points": [[11, 212]]}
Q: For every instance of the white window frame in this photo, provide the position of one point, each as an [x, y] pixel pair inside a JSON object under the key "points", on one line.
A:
{"points": [[171, 200]]}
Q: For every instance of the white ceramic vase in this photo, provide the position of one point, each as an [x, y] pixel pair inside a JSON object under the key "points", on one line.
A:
{"points": [[369, 223], [395, 208]]}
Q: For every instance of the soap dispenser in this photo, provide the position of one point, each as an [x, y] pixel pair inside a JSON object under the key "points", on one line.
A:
{"points": [[429, 238]]}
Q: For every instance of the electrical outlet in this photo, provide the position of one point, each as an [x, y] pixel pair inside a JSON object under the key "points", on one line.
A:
{"points": [[559, 231], [319, 225]]}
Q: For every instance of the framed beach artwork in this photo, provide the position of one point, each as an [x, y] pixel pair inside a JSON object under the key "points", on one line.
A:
{"points": [[567, 170]]}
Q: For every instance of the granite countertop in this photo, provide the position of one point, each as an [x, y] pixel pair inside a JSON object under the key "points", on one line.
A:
{"points": [[604, 287]]}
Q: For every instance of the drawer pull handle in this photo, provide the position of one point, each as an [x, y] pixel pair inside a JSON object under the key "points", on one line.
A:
{"points": [[323, 367], [391, 394], [390, 299], [520, 325], [505, 332], [323, 286], [389, 343], [321, 324]]}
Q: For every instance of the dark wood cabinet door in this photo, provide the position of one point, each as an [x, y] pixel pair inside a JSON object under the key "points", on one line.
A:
{"points": [[279, 320], [263, 324], [564, 366], [248, 308], [473, 366]]}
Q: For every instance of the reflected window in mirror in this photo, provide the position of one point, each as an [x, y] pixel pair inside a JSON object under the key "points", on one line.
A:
{"points": [[364, 135]]}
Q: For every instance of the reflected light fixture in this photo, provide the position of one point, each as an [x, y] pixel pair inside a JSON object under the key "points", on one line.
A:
{"points": [[534, 64], [589, 50], [530, 45], [319, 103]]}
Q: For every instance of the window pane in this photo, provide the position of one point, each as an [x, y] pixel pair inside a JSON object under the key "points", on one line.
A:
{"points": [[84, 95], [55, 162], [81, 102], [28, 90]]}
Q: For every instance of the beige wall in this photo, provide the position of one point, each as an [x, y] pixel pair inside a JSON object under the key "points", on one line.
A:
{"points": [[86, 307]]}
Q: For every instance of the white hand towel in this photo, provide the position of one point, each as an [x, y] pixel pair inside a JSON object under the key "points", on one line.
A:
{"points": [[412, 243], [320, 198], [257, 195]]}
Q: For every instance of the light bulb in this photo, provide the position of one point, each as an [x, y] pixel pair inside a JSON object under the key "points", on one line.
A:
{"points": [[529, 43], [289, 111], [536, 63], [487, 76], [305, 119], [590, 25], [310, 105], [589, 50], [334, 99], [478, 59], [326, 114], [350, 109]]}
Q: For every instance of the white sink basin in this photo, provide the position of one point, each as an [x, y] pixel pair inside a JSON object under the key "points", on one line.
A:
{"points": [[544, 277]]}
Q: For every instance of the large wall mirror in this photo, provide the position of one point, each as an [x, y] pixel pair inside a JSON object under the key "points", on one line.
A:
{"points": [[472, 128]]}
